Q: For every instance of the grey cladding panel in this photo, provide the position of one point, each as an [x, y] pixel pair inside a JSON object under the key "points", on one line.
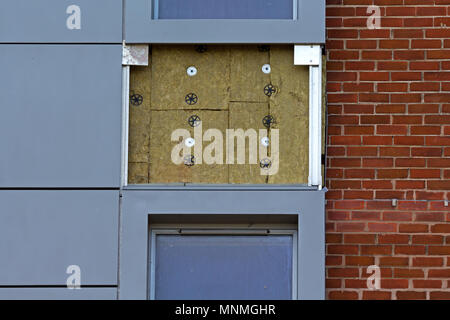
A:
{"points": [[45, 21], [309, 27], [44, 232], [58, 294], [60, 123]]}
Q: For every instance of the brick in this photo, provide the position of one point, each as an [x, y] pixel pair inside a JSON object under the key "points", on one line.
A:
{"points": [[440, 228], [394, 284], [359, 261], [350, 227], [425, 173], [337, 215], [382, 194], [377, 140], [439, 185], [343, 295], [390, 108], [333, 283], [366, 215], [408, 273], [427, 284], [410, 249], [425, 130], [439, 250], [333, 260], [426, 152], [426, 195], [393, 239], [427, 239], [349, 204], [417, 141], [359, 238], [376, 250], [427, 262], [394, 261], [440, 295], [410, 162], [333, 238], [410, 295], [355, 283], [392, 173], [359, 173], [439, 273], [381, 227], [410, 184], [394, 151], [423, 108], [412, 228], [352, 194], [345, 184], [397, 216], [342, 249], [407, 119], [429, 216], [378, 162], [343, 272], [439, 163], [362, 151], [377, 184], [377, 295]]}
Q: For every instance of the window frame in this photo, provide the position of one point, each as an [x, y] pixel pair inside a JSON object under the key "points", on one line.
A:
{"points": [[155, 13], [222, 231]]}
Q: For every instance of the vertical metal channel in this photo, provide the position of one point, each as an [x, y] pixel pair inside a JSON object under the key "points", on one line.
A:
{"points": [[125, 123], [315, 124]]}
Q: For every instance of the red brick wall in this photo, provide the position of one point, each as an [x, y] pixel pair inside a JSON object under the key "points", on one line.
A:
{"points": [[388, 138]]}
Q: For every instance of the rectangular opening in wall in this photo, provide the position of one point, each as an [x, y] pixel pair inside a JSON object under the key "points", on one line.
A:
{"points": [[217, 114], [219, 9], [222, 263]]}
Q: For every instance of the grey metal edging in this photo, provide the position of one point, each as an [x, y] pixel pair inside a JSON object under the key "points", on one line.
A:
{"points": [[219, 187]]}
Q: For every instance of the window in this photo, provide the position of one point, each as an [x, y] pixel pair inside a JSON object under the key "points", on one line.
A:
{"points": [[241, 264], [220, 9]]}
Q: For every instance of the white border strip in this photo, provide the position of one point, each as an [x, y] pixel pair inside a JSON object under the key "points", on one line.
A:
{"points": [[125, 123]]}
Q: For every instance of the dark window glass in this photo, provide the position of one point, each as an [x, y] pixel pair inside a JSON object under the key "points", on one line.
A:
{"points": [[223, 267], [224, 9]]}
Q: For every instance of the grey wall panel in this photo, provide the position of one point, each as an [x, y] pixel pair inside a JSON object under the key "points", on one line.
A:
{"points": [[138, 204], [45, 21], [311, 243], [58, 294], [309, 27], [60, 122], [44, 232]]}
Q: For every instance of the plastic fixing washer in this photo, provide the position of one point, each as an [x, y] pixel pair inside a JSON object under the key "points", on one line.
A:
{"points": [[266, 68], [189, 142], [191, 71], [265, 141]]}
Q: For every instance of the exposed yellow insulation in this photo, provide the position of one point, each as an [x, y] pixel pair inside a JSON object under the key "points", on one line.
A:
{"points": [[247, 78], [289, 107], [247, 116], [162, 167], [139, 134], [171, 82]]}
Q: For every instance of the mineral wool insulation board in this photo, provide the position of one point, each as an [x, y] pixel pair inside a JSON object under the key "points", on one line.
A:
{"points": [[227, 89]]}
